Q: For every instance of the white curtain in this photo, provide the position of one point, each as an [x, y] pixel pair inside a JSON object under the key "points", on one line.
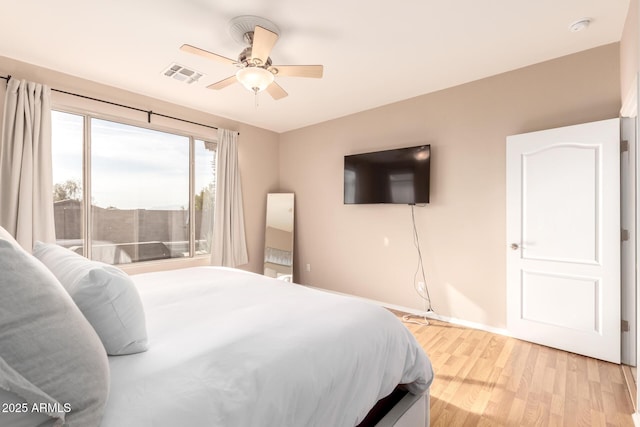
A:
{"points": [[207, 202], [229, 246], [26, 189]]}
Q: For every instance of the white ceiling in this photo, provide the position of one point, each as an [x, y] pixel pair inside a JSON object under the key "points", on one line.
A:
{"points": [[374, 52]]}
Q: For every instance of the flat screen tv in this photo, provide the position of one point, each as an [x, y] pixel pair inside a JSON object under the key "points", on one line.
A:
{"points": [[399, 176]]}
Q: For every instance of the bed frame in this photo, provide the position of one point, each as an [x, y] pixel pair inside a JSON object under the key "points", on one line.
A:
{"points": [[399, 409], [411, 411]]}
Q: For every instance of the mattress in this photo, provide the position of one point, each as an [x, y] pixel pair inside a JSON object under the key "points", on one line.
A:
{"points": [[232, 348]]}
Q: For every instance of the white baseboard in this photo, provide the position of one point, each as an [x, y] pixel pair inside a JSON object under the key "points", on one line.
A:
{"points": [[636, 419], [430, 315]]}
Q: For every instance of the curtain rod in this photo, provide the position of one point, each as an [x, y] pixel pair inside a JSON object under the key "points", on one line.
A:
{"points": [[149, 112]]}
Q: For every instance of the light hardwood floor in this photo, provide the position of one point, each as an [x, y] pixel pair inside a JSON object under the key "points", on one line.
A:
{"points": [[484, 379]]}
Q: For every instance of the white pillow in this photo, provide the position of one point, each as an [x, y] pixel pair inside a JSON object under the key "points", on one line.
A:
{"points": [[46, 339], [105, 294]]}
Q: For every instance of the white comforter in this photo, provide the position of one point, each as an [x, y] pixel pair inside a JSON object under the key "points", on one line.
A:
{"points": [[231, 348]]}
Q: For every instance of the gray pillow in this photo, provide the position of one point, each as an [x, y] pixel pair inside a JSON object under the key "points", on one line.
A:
{"points": [[18, 408], [105, 294], [46, 339], [4, 234]]}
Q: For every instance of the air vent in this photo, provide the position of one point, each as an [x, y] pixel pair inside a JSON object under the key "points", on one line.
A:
{"points": [[182, 74]]}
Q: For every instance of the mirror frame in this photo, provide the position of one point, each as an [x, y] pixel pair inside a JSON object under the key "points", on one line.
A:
{"points": [[279, 236]]}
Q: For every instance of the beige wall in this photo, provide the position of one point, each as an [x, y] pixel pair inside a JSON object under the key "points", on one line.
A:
{"points": [[629, 58], [257, 148], [368, 250]]}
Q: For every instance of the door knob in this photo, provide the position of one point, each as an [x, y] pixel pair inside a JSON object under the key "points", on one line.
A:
{"points": [[514, 246]]}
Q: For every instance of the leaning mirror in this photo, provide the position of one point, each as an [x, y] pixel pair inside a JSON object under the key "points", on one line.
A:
{"points": [[278, 239]]}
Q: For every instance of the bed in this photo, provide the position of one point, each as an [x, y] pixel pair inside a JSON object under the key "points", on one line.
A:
{"points": [[225, 347], [283, 355]]}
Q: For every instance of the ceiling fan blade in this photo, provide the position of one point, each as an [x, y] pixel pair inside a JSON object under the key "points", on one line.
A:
{"points": [[263, 42], [276, 91], [206, 54], [223, 83], [314, 71]]}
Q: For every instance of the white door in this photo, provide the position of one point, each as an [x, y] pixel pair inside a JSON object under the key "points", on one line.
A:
{"points": [[563, 238]]}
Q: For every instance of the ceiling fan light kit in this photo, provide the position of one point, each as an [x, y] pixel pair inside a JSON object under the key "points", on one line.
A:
{"points": [[255, 79], [256, 71]]}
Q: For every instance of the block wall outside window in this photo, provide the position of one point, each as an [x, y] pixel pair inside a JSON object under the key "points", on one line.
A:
{"points": [[139, 182]]}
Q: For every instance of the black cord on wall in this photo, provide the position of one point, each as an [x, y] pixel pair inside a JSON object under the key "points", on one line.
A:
{"points": [[424, 293]]}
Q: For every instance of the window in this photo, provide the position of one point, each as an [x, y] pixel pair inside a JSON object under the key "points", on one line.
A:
{"points": [[67, 142], [138, 181]]}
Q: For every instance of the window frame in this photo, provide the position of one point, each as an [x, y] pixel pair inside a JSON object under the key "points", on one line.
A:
{"points": [[87, 220]]}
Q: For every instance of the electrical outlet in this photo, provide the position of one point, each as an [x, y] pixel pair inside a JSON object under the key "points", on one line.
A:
{"points": [[308, 267]]}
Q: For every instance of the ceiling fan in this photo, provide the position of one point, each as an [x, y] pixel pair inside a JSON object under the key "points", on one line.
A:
{"points": [[256, 73]]}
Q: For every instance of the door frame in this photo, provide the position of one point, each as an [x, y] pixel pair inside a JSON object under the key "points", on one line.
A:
{"points": [[628, 248], [630, 109]]}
